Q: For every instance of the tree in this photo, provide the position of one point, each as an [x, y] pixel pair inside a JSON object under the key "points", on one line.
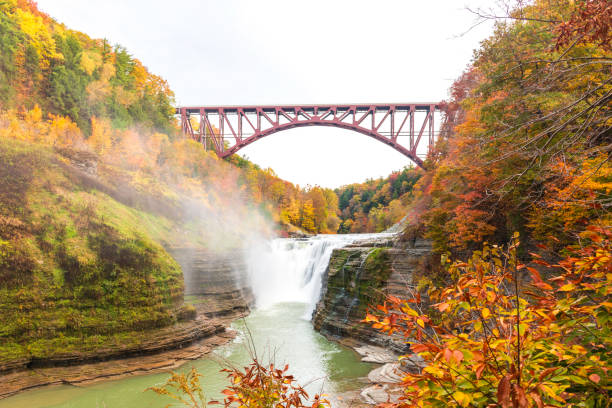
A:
{"points": [[319, 205], [308, 218], [501, 335], [68, 82], [522, 118], [10, 37]]}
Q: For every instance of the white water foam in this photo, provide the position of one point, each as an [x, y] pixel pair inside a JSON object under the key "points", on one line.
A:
{"points": [[291, 269]]}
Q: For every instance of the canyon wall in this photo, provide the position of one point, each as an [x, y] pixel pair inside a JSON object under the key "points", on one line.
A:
{"points": [[362, 274]]}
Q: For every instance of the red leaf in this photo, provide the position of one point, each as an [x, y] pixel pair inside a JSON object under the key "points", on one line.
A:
{"points": [[394, 299], [479, 369], [419, 348], [457, 356], [535, 275], [503, 391], [521, 398], [442, 306], [595, 378], [383, 308], [546, 372], [536, 398], [543, 286], [448, 355]]}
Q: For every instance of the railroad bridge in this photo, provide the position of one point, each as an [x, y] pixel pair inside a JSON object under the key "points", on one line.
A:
{"points": [[227, 129]]}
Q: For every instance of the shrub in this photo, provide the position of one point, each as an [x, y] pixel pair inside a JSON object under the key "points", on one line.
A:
{"points": [[508, 337]]}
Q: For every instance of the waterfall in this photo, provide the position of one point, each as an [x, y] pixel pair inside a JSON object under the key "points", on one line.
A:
{"points": [[291, 269]]}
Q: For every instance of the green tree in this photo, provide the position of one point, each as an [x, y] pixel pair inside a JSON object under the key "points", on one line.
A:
{"points": [[10, 38], [68, 82]]}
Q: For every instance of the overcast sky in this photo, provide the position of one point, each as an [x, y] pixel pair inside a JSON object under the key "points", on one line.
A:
{"points": [[290, 52]]}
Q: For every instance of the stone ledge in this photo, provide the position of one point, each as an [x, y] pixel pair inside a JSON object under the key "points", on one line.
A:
{"points": [[26, 379]]}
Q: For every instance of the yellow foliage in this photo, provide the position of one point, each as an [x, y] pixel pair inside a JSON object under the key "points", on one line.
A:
{"points": [[140, 74], [101, 138], [308, 217], [40, 37], [34, 116], [12, 127], [90, 60], [57, 131], [100, 89], [577, 196], [64, 132], [125, 97]]}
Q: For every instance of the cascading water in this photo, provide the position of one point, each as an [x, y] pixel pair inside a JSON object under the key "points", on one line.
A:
{"points": [[290, 269]]}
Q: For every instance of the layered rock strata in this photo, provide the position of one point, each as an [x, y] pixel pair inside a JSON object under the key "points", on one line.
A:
{"points": [[363, 274], [217, 283], [216, 293], [86, 373]]}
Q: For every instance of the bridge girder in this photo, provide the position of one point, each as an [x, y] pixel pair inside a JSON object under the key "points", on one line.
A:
{"points": [[227, 129]]}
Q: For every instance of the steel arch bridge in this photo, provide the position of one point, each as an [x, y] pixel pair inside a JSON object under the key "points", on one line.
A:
{"points": [[228, 129]]}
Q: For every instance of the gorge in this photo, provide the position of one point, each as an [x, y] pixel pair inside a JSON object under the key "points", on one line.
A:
{"points": [[136, 241], [280, 281]]}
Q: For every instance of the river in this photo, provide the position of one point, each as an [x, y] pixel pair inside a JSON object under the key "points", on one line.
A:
{"points": [[286, 280]]}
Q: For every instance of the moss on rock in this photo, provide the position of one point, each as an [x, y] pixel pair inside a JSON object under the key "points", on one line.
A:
{"points": [[79, 270]]}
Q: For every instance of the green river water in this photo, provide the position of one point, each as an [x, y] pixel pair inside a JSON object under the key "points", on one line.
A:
{"points": [[280, 328]]}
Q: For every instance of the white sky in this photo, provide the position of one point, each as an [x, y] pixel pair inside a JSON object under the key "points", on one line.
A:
{"points": [[231, 52]]}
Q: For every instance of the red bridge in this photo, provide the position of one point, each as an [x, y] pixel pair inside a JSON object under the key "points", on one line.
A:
{"points": [[228, 129]]}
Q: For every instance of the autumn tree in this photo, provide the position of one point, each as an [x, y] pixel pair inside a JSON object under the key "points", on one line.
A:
{"points": [[503, 335], [522, 118], [308, 217]]}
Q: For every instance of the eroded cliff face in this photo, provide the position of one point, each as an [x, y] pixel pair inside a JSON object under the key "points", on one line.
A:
{"points": [[216, 293], [363, 274], [85, 268], [216, 283]]}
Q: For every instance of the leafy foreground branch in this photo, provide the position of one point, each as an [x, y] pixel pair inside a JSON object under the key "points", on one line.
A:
{"points": [[254, 386], [507, 336]]}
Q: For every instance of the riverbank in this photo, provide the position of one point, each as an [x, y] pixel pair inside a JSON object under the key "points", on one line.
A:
{"points": [[116, 368], [216, 294], [280, 332]]}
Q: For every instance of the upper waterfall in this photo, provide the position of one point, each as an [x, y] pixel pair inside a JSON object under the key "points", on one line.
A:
{"points": [[291, 269]]}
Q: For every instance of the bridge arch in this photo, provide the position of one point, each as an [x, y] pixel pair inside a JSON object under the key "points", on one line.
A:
{"points": [[231, 128]]}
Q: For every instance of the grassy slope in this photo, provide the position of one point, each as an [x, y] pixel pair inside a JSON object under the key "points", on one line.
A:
{"points": [[78, 269]]}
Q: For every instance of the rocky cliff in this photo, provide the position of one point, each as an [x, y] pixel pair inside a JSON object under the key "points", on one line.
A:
{"points": [[216, 292], [362, 274], [216, 284]]}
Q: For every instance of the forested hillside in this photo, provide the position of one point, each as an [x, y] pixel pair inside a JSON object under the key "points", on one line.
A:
{"points": [[376, 205], [526, 143], [61, 88], [67, 73], [516, 200]]}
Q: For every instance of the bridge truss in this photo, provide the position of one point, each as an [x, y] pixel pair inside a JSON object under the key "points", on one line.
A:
{"points": [[228, 129]]}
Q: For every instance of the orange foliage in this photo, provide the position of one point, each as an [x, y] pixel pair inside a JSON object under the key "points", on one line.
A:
{"points": [[499, 338]]}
